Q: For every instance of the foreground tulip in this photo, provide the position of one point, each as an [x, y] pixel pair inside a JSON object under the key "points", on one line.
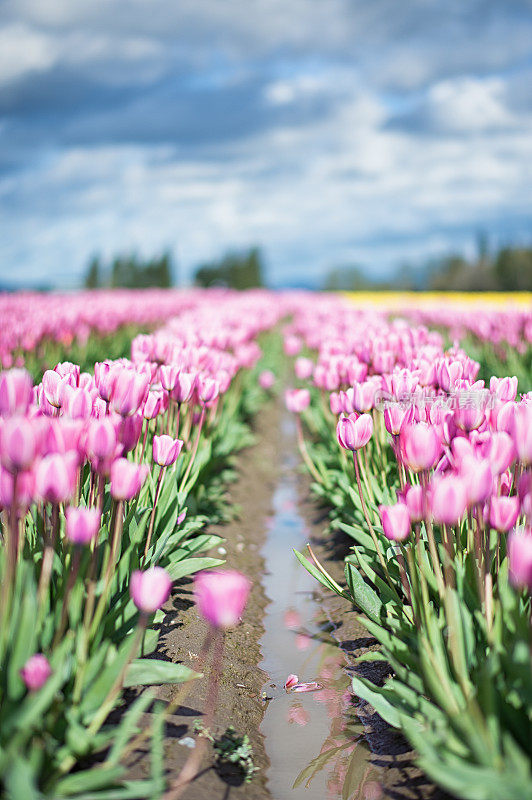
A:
{"points": [[15, 391], [166, 450], [36, 672], [221, 596], [504, 512], [395, 521], [354, 433], [56, 476], [520, 558], [82, 524], [129, 391], [420, 446], [150, 590], [448, 500], [127, 478], [17, 443]]}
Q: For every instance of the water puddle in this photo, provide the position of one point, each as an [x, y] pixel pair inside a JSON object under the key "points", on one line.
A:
{"points": [[314, 740]]}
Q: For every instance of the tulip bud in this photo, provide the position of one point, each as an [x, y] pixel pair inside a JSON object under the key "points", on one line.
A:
{"points": [[150, 589], [221, 596], [36, 672], [82, 524], [184, 387], [129, 391], [127, 478], [18, 443], [303, 367], [166, 450], [56, 476]]}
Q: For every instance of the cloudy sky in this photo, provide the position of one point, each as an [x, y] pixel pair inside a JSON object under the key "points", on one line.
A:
{"points": [[328, 131]]}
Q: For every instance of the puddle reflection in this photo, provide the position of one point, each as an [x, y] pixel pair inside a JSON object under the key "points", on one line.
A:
{"points": [[314, 741]]}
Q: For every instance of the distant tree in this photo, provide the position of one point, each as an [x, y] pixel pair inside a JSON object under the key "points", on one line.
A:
{"points": [[513, 268], [234, 270], [93, 277]]}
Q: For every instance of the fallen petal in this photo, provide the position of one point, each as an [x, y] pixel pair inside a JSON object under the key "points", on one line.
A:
{"points": [[290, 682], [310, 686]]}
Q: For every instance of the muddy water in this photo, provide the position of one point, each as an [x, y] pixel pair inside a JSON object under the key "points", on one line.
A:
{"points": [[313, 740]]}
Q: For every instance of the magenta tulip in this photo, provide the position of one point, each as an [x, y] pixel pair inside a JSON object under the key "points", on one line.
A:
{"points": [[129, 391], [56, 477], [221, 596], [16, 388], [297, 400], [520, 558], [18, 443]]}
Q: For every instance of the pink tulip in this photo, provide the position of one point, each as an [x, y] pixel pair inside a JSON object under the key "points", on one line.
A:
{"points": [[104, 376], [168, 375], [166, 450], [413, 499], [184, 387], [129, 391], [36, 672], [25, 489], [396, 417], [127, 478], [101, 441], [56, 477], [16, 388], [221, 596], [395, 521], [420, 446], [504, 388], [522, 432], [354, 433], [504, 512], [18, 443], [82, 524], [297, 400], [303, 368], [520, 558], [500, 451], [292, 345], [129, 431], [78, 404], [152, 406], [477, 476], [150, 589], [364, 396], [266, 379], [448, 500]]}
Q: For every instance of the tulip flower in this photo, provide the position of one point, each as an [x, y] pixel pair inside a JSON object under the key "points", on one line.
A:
{"points": [[221, 596], [520, 558], [504, 512], [127, 478], [18, 443], [184, 387], [82, 524], [266, 379], [448, 500], [166, 450], [297, 400], [353, 433], [303, 368], [36, 672], [420, 446], [15, 391], [168, 375], [128, 392], [150, 590], [56, 476], [395, 521]]}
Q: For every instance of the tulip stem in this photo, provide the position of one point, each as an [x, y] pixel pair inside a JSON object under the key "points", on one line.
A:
{"points": [[193, 763], [366, 517], [117, 535], [194, 450], [162, 470], [304, 452]]}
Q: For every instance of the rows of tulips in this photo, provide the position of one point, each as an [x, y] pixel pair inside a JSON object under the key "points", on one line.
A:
{"points": [[105, 482], [429, 471]]}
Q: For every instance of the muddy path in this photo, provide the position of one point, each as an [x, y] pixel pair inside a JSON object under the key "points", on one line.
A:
{"points": [[329, 744]]}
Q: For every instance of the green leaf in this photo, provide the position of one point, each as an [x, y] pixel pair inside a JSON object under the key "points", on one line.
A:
{"points": [[363, 595], [150, 671]]}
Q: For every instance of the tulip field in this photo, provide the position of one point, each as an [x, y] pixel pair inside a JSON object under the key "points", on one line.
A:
{"points": [[123, 417]]}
